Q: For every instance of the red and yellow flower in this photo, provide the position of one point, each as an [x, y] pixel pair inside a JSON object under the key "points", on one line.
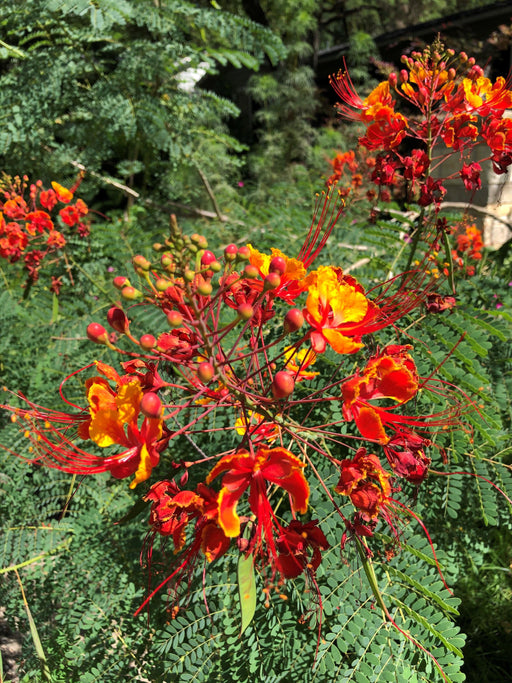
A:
{"points": [[254, 471]]}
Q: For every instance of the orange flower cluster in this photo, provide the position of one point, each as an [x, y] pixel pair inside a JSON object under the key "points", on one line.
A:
{"points": [[454, 102], [218, 351], [30, 228], [256, 347]]}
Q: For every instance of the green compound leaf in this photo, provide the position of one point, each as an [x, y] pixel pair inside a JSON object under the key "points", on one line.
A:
{"points": [[246, 590]]}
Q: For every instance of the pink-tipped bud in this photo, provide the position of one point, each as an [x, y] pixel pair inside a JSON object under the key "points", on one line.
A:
{"points": [[117, 320], [471, 61], [251, 272], [451, 74], [174, 318], [271, 281], [245, 311], [121, 281], [141, 263], [204, 288], [244, 254], [293, 320], [277, 265], [97, 333], [404, 76], [205, 372], [151, 405], [283, 385], [207, 258], [147, 342], [130, 293], [230, 252], [392, 79]]}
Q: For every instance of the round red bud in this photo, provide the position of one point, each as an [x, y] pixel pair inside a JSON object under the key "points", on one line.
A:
{"points": [[207, 258], [151, 405], [245, 311], [244, 254], [293, 320], [277, 265], [230, 252], [117, 319], [130, 293], [205, 372], [271, 281], [97, 333], [147, 342], [251, 272], [120, 281], [392, 79], [174, 318], [283, 385]]}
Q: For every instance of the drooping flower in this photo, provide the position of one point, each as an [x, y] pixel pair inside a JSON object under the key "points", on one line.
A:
{"points": [[173, 509], [390, 374], [366, 482], [254, 471], [299, 548]]}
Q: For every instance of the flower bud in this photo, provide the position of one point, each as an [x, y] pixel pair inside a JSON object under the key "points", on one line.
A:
{"points": [[244, 254], [117, 319], [245, 311], [392, 79], [121, 281], [271, 281], [141, 263], [283, 385], [230, 252], [215, 266], [404, 76], [97, 333], [147, 342], [151, 405], [251, 271], [189, 275], [204, 288], [293, 320], [205, 372], [277, 265], [162, 284], [174, 318], [207, 258], [130, 293]]}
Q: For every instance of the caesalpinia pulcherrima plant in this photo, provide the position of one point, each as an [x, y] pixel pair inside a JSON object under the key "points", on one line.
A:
{"points": [[242, 346], [34, 223]]}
